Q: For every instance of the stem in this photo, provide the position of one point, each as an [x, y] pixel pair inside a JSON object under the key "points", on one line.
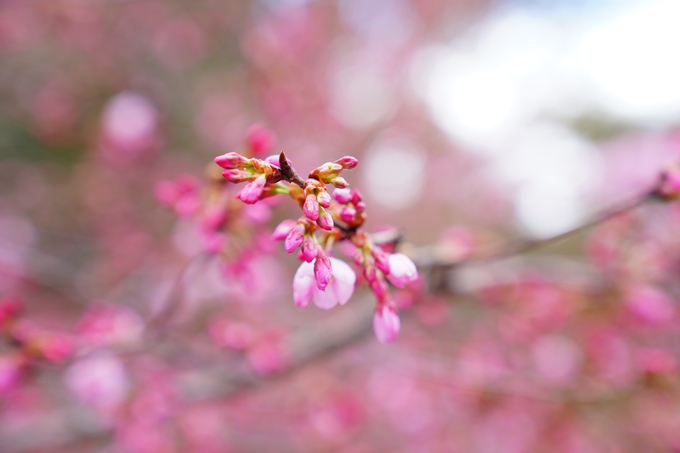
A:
{"points": [[288, 172]]}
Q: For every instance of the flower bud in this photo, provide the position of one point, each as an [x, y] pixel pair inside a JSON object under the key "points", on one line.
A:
{"points": [[323, 272], [347, 162], [309, 249], [339, 182], [237, 175], [386, 324], [402, 270], [252, 192], [311, 207], [347, 214], [342, 196], [232, 161], [294, 238], [381, 260], [325, 220], [324, 199]]}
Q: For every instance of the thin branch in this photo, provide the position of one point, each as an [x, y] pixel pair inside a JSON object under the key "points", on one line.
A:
{"points": [[288, 172]]}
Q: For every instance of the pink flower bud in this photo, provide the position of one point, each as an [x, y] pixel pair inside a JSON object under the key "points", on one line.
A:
{"points": [[311, 207], [273, 160], [402, 270], [283, 229], [237, 175], [323, 271], [252, 192], [342, 196], [232, 161], [379, 288], [381, 260], [386, 324], [347, 162], [348, 214], [325, 220], [294, 238], [339, 182], [309, 249], [324, 199]]}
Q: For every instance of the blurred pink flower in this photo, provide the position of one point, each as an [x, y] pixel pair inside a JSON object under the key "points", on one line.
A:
{"points": [[386, 324], [402, 270]]}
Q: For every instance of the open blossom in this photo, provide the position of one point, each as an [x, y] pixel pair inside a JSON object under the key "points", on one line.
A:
{"points": [[402, 270], [338, 291], [386, 324]]}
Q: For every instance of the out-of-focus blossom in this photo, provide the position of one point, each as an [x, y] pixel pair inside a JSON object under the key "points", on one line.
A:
{"points": [[106, 324], [402, 270], [129, 125], [260, 140], [100, 381], [386, 324]]}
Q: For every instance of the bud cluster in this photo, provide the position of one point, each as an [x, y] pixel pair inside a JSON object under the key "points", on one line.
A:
{"points": [[326, 219]]}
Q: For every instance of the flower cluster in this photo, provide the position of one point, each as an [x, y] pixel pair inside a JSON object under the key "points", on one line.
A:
{"points": [[326, 220]]}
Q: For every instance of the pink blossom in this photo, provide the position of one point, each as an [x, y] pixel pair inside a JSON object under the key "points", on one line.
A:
{"points": [[252, 191], [402, 270], [386, 324], [99, 381], [338, 291]]}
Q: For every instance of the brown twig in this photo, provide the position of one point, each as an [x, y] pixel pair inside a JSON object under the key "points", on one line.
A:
{"points": [[288, 172]]}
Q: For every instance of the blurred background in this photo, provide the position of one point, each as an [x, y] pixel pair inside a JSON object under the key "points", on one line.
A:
{"points": [[475, 123]]}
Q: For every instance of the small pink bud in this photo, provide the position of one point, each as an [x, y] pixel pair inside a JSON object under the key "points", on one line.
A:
{"points": [[379, 288], [311, 207], [356, 196], [402, 270], [381, 260], [324, 199], [323, 271], [348, 214], [339, 182], [232, 161], [325, 220], [342, 196], [294, 238], [347, 162], [309, 249], [386, 324], [282, 230], [237, 175], [252, 192]]}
